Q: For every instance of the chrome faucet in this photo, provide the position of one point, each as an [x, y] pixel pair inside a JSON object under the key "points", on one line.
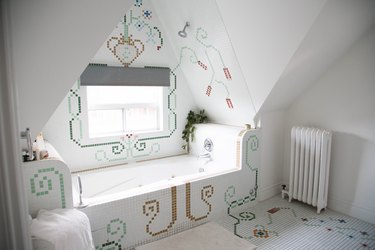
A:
{"points": [[81, 204]]}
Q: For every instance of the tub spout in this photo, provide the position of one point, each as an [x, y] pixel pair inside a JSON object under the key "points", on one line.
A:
{"points": [[81, 204]]}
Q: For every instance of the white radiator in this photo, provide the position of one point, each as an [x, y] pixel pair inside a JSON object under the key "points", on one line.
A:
{"points": [[309, 166]]}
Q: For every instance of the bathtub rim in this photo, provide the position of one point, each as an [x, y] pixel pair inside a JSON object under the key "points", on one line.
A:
{"points": [[171, 183], [168, 183]]}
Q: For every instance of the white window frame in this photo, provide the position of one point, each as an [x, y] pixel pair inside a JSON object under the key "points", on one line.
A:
{"points": [[162, 117]]}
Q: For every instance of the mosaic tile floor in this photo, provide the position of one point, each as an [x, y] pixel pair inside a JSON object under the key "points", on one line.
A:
{"points": [[278, 224]]}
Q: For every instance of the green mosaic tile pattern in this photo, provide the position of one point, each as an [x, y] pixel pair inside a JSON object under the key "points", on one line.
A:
{"points": [[211, 53], [116, 231], [251, 145], [41, 184], [137, 27], [278, 224]]}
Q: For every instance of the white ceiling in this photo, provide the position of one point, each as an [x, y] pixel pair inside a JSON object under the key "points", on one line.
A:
{"points": [[265, 34], [338, 26]]}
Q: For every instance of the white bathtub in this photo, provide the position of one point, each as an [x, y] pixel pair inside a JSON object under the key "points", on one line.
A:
{"points": [[123, 181]]}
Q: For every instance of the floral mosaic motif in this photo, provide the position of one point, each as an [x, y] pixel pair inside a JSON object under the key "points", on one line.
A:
{"points": [[126, 50], [260, 233], [138, 3], [217, 79], [325, 229], [147, 14], [136, 31]]}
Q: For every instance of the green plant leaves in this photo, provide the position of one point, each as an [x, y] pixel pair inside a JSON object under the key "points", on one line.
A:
{"points": [[192, 118]]}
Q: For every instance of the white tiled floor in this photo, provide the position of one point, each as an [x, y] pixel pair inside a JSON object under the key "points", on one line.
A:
{"points": [[297, 226], [209, 236]]}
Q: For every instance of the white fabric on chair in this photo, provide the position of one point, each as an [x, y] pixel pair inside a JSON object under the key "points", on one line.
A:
{"points": [[66, 229]]}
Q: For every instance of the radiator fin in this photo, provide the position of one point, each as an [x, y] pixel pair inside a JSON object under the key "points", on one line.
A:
{"points": [[309, 166]]}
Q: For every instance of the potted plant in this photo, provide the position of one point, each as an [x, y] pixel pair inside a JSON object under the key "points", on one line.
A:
{"points": [[192, 119]]}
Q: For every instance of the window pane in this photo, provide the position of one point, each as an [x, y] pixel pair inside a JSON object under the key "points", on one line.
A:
{"points": [[141, 118], [115, 110], [104, 95], [105, 121]]}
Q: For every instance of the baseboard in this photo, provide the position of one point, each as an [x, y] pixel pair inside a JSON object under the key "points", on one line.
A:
{"points": [[269, 191], [349, 208]]}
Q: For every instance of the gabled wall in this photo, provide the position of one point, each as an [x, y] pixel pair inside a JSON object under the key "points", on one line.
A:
{"points": [[207, 60], [337, 27], [342, 100], [139, 33]]}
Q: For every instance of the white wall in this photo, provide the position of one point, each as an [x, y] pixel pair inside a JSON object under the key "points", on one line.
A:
{"points": [[67, 129], [343, 100], [339, 25], [265, 35], [52, 42], [208, 44], [271, 171]]}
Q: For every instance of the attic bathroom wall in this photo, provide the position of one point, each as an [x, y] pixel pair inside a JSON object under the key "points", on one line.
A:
{"points": [[67, 128], [203, 63], [208, 60], [40, 66], [337, 26], [343, 100]]}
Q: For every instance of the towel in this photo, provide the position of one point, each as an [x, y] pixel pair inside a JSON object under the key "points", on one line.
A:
{"points": [[66, 229]]}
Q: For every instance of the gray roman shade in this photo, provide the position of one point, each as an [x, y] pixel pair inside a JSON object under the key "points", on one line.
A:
{"points": [[98, 75]]}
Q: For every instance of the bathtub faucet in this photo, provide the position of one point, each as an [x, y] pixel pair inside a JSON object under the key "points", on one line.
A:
{"points": [[81, 204]]}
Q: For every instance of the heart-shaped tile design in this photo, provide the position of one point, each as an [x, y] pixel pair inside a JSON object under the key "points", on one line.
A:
{"points": [[126, 50]]}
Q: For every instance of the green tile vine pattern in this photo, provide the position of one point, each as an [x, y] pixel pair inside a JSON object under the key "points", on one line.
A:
{"points": [[185, 51], [116, 231], [201, 36], [41, 183], [279, 224], [128, 146], [251, 145]]}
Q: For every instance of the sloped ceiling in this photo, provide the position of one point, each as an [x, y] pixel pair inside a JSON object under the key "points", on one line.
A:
{"points": [[52, 42], [207, 60], [265, 35], [250, 55], [339, 25]]}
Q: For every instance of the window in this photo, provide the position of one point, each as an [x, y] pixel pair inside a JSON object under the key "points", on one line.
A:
{"points": [[116, 110]]}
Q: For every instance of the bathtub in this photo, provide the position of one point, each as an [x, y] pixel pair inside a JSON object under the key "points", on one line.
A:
{"points": [[127, 180], [144, 177]]}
